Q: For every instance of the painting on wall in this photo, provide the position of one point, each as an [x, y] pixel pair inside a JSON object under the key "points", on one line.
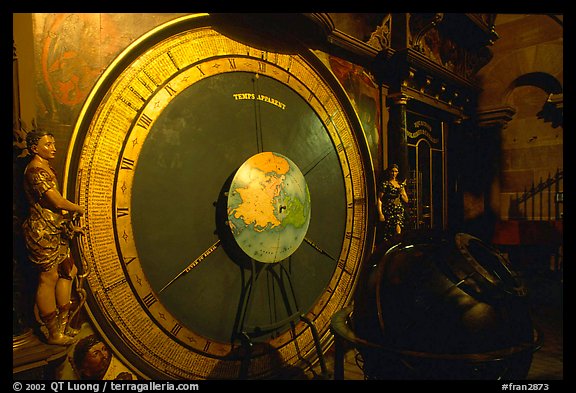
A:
{"points": [[365, 96]]}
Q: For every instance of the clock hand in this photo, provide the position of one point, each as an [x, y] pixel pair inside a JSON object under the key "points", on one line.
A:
{"points": [[192, 265], [257, 116], [321, 251], [318, 160], [321, 157]]}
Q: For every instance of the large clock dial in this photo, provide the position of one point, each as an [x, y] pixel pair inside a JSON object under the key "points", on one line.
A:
{"points": [[228, 195]]}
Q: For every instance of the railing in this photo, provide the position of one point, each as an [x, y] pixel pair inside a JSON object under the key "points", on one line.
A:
{"points": [[545, 197], [534, 231]]}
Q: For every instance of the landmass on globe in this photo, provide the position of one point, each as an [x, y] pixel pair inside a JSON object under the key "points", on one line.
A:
{"points": [[269, 207]]}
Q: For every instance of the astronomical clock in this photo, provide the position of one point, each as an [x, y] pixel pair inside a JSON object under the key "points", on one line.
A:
{"points": [[229, 198]]}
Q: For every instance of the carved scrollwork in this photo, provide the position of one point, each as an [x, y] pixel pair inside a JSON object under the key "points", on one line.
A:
{"points": [[420, 25], [553, 110], [380, 38]]}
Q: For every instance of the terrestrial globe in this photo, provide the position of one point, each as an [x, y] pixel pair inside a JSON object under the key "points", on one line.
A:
{"points": [[437, 305]]}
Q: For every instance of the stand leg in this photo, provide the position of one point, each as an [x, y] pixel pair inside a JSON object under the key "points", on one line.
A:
{"points": [[317, 344], [338, 359], [247, 348]]}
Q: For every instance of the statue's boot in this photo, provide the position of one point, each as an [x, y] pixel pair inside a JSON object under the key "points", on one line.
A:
{"points": [[55, 336], [64, 320]]}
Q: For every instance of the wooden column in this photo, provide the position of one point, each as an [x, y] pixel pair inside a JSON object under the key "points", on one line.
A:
{"points": [[397, 140]]}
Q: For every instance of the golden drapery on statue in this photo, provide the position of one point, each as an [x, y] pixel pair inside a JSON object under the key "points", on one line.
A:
{"points": [[47, 233]]}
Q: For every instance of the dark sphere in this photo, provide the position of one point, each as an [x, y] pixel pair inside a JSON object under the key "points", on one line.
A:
{"points": [[441, 306]]}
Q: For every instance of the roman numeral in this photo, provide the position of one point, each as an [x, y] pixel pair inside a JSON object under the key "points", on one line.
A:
{"points": [[170, 90], [177, 327], [121, 212], [207, 346], [149, 300], [144, 121], [127, 164]]}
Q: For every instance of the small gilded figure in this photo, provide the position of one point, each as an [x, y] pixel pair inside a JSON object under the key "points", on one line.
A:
{"points": [[391, 199], [48, 229]]}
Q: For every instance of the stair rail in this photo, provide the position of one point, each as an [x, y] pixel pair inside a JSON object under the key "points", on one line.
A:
{"points": [[535, 195]]}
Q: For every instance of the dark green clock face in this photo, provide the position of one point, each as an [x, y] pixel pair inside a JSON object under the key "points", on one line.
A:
{"points": [[155, 151], [195, 145]]}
